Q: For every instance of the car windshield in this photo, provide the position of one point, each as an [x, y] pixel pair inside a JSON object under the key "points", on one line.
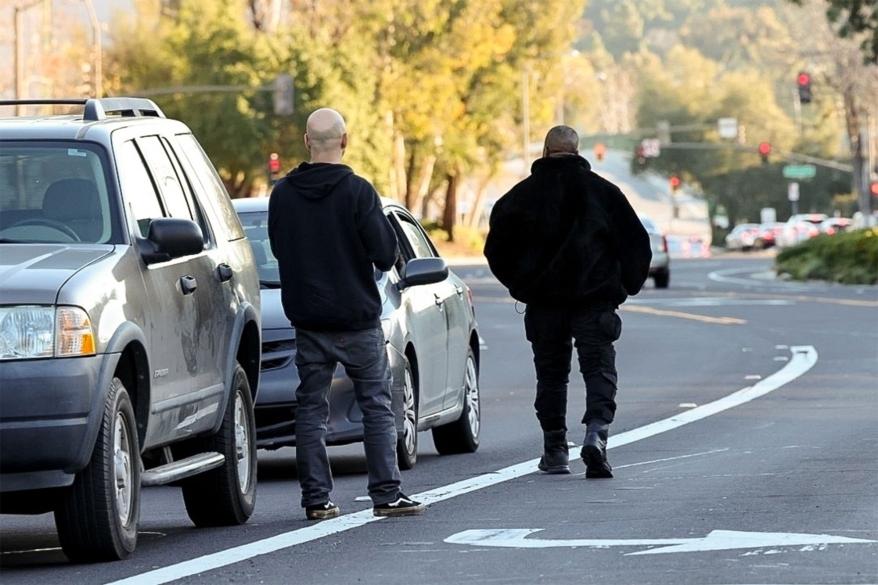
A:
{"points": [[55, 192], [255, 224]]}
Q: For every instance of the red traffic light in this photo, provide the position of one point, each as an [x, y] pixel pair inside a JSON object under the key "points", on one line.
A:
{"points": [[764, 148], [803, 79], [873, 188], [274, 163], [675, 182]]}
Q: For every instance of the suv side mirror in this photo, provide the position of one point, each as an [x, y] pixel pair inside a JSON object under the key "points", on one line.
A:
{"points": [[170, 238], [420, 271]]}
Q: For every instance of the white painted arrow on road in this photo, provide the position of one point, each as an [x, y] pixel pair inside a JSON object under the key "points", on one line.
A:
{"points": [[716, 540]]}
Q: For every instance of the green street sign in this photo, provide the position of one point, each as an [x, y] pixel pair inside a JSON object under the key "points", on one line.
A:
{"points": [[799, 171]]}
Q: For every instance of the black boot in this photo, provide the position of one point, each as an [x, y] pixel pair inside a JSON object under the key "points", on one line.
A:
{"points": [[555, 459], [594, 454]]}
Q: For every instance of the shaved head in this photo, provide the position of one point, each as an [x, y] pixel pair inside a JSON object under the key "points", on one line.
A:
{"points": [[325, 133], [561, 140]]}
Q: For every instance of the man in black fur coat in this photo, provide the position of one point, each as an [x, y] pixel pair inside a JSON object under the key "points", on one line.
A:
{"points": [[568, 244]]}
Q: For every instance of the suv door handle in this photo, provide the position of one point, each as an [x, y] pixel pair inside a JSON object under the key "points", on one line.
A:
{"points": [[224, 272], [188, 284]]}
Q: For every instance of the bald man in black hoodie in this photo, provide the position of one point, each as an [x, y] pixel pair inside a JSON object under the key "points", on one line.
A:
{"points": [[584, 252], [328, 232]]}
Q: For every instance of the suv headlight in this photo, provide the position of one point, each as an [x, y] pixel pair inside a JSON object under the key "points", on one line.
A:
{"points": [[29, 332]]}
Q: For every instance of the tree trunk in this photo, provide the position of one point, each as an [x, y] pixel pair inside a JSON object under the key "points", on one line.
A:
{"points": [[475, 212], [399, 166], [421, 187], [449, 216], [409, 198]]}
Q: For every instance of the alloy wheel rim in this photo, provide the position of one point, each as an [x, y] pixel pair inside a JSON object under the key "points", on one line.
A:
{"points": [[123, 480], [472, 397], [409, 424], [242, 443]]}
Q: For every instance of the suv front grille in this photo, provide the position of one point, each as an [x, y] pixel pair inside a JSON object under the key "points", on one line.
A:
{"points": [[277, 354]]}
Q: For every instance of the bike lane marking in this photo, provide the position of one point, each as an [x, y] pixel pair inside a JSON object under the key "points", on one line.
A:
{"points": [[803, 359]]}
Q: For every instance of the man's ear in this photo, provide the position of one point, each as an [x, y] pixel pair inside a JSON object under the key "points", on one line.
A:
{"points": [[344, 141]]}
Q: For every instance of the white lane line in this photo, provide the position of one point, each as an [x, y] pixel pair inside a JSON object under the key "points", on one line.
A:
{"points": [[803, 359], [666, 459]]}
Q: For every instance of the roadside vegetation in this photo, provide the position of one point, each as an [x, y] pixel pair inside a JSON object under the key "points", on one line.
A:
{"points": [[849, 258]]}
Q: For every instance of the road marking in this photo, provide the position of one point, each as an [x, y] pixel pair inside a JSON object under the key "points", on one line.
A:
{"points": [[803, 359], [666, 459], [687, 405], [682, 315], [716, 301], [715, 540]]}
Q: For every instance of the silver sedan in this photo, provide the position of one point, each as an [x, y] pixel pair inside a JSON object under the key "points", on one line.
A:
{"points": [[433, 348]]}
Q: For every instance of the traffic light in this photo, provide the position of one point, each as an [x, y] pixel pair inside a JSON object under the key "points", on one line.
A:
{"points": [[675, 183], [599, 151], [764, 151], [803, 81], [873, 188], [273, 167]]}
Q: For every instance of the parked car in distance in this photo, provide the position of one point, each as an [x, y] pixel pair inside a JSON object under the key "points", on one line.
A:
{"points": [[801, 227], [660, 265], [768, 234], [433, 348], [835, 225], [129, 326], [742, 237]]}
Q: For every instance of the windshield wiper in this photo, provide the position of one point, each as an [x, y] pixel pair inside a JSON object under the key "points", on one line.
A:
{"points": [[269, 284]]}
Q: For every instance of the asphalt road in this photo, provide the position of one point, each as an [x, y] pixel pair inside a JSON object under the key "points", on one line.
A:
{"points": [[795, 455]]}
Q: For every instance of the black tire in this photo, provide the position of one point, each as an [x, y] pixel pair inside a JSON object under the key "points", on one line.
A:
{"points": [[221, 497], [462, 435], [95, 522], [407, 441], [662, 279]]}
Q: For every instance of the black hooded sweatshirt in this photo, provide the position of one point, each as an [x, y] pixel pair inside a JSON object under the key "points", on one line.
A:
{"points": [[567, 236], [327, 229]]}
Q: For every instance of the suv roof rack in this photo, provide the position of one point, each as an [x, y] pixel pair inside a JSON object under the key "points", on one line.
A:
{"points": [[97, 109]]}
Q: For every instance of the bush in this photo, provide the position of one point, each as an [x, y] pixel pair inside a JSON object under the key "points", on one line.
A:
{"points": [[849, 258]]}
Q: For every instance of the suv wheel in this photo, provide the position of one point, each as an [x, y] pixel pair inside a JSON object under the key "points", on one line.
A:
{"points": [[462, 435], [97, 517], [407, 442], [225, 496]]}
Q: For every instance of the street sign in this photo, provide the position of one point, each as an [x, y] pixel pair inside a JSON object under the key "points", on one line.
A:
{"points": [[727, 128], [799, 172], [715, 540], [652, 147], [793, 191], [768, 215]]}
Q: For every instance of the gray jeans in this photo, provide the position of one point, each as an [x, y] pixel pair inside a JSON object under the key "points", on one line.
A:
{"points": [[364, 357]]}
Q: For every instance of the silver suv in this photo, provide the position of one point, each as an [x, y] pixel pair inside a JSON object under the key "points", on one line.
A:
{"points": [[129, 325]]}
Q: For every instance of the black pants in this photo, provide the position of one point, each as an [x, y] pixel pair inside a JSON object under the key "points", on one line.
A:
{"points": [[551, 331], [365, 360]]}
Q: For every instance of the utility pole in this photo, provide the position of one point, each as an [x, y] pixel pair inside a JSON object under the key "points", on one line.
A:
{"points": [[18, 56]]}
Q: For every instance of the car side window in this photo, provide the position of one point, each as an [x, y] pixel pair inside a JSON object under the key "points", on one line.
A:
{"points": [[213, 192], [137, 187], [166, 176], [416, 237], [186, 175]]}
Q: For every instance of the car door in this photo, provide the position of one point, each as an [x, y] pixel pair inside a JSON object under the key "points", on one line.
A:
{"points": [[184, 323], [426, 319]]}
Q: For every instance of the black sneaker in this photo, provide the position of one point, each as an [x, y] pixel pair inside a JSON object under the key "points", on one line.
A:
{"points": [[594, 454], [322, 511], [403, 506]]}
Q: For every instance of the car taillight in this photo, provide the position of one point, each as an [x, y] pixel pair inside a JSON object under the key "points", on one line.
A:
{"points": [[469, 295], [664, 244]]}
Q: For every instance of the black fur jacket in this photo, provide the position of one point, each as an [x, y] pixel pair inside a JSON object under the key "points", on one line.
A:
{"points": [[565, 235]]}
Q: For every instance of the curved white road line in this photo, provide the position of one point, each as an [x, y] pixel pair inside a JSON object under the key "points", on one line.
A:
{"points": [[803, 359]]}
